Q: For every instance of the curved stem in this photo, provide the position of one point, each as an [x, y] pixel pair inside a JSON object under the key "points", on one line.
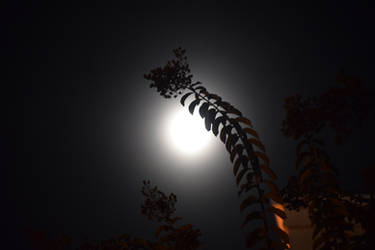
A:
{"points": [[249, 150]]}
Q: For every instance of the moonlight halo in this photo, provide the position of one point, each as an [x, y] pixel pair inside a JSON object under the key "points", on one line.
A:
{"points": [[187, 132]]}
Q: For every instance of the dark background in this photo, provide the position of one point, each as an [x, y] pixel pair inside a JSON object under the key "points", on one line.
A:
{"points": [[81, 128]]}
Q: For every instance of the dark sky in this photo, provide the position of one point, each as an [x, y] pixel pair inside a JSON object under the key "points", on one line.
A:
{"points": [[82, 129]]}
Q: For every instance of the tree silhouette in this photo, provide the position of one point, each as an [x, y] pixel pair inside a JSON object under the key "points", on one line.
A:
{"points": [[251, 166], [156, 206], [160, 207], [333, 212]]}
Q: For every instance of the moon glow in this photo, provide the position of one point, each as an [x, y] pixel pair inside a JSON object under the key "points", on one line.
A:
{"points": [[187, 132]]}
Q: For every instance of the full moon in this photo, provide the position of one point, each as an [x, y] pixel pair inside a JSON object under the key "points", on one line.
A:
{"points": [[187, 132]]}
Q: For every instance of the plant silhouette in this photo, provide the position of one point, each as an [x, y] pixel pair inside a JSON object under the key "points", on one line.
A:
{"points": [[333, 212], [254, 177], [251, 167], [156, 206]]}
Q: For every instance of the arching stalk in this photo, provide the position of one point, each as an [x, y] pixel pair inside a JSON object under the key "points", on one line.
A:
{"points": [[249, 150], [172, 80]]}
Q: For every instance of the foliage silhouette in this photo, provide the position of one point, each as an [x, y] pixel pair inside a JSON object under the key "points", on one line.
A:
{"points": [[160, 207], [156, 206], [251, 164], [333, 212]]}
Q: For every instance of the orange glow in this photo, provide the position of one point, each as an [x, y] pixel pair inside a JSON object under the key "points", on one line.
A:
{"points": [[280, 221]]}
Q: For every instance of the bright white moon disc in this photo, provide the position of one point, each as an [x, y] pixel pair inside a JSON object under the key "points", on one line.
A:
{"points": [[188, 132]]}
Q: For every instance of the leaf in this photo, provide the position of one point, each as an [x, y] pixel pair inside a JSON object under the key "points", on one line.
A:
{"points": [[225, 105], [253, 237], [278, 212], [233, 110], [235, 139], [213, 96], [268, 171], [257, 143], [216, 123], [272, 186], [244, 120], [195, 84], [192, 105], [204, 92], [233, 154], [283, 235], [263, 157], [237, 164], [203, 109], [251, 132], [232, 139], [201, 89], [224, 131], [222, 135], [228, 142], [246, 187], [237, 150], [252, 216], [250, 200], [274, 196], [245, 161], [241, 174], [183, 98], [207, 123], [209, 118]]}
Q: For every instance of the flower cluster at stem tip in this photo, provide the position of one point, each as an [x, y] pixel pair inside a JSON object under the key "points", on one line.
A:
{"points": [[173, 78]]}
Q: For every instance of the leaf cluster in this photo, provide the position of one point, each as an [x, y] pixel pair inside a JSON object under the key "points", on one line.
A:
{"points": [[156, 204], [333, 212], [159, 206], [342, 108], [173, 78], [251, 166]]}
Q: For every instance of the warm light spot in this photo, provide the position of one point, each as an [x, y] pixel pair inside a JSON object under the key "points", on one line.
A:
{"points": [[188, 133], [280, 221]]}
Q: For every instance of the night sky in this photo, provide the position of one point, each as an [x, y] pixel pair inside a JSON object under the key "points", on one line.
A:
{"points": [[82, 128]]}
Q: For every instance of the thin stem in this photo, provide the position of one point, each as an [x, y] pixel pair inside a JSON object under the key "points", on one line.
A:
{"points": [[250, 152]]}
